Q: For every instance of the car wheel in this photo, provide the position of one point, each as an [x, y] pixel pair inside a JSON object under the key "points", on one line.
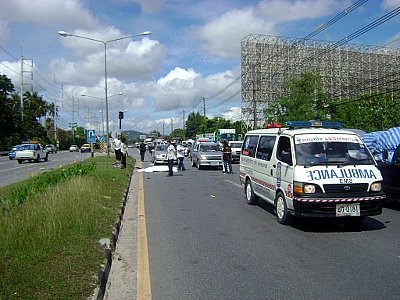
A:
{"points": [[251, 198], [20, 161], [198, 165], [282, 214]]}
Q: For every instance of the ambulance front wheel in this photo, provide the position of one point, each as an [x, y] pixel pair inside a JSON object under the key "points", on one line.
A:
{"points": [[282, 214], [252, 199]]}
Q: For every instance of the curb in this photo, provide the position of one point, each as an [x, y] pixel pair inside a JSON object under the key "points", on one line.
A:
{"points": [[105, 270]]}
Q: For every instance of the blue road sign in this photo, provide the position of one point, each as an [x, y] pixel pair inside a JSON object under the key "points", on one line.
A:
{"points": [[91, 136]]}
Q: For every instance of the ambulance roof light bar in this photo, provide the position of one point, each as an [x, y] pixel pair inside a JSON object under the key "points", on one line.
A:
{"points": [[314, 124]]}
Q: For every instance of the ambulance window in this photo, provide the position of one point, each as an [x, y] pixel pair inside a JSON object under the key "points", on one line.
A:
{"points": [[265, 147], [249, 145], [284, 153]]}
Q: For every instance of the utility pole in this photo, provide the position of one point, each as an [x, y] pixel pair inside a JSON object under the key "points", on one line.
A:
{"points": [[183, 119], [22, 82], [204, 107], [204, 114]]}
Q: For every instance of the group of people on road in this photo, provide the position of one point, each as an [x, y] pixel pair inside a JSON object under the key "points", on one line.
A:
{"points": [[178, 154], [120, 145], [175, 154]]}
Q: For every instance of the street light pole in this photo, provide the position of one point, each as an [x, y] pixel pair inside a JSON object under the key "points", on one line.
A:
{"points": [[66, 34]]}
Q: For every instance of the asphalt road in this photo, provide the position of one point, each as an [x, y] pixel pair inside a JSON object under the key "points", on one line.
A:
{"points": [[206, 242], [11, 171]]}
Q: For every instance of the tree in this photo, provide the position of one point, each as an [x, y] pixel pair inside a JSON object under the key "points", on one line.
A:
{"points": [[369, 113], [178, 133], [194, 124], [305, 101], [8, 114]]}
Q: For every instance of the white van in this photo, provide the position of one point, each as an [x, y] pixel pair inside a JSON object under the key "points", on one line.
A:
{"points": [[311, 169]]}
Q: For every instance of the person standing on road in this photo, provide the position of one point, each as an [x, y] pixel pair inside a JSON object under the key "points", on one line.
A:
{"points": [[227, 157], [124, 151], [117, 149], [171, 156], [142, 150], [180, 153]]}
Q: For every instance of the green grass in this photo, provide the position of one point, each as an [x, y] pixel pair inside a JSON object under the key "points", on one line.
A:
{"points": [[49, 245]]}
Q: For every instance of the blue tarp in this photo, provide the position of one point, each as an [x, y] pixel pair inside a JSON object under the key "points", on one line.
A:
{"points": [[379, 141]]}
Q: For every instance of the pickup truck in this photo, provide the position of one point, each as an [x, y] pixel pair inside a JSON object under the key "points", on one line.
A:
{"points": [[31, 152], [390, 170]]}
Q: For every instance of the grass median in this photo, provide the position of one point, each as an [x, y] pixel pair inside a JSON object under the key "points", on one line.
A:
{"points": [[50, 227]]}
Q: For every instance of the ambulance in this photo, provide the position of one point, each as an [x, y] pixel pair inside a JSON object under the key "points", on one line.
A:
{"points": [[311, 169]]}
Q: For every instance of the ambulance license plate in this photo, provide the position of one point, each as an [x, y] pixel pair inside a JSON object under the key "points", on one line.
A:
{"points": [[348, 209]]}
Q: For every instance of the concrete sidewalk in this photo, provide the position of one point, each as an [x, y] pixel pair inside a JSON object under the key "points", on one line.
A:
{"points": [[121, 283]]}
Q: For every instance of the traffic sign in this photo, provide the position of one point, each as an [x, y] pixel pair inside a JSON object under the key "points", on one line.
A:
{"points": [[91, 136]]}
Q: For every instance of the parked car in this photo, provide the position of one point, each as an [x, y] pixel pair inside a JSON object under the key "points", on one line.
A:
{"points": [[207, 154], [50, 148], [86, 148], [31, 151], [390, 171], [236, 147], [73, 148], [11, 153], [385, 147]]}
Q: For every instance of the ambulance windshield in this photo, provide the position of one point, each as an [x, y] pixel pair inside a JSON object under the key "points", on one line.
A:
{"points": [[331, 152]]}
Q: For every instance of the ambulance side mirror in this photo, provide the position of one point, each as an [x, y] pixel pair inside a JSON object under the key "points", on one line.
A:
{"points": [[286, 157]]}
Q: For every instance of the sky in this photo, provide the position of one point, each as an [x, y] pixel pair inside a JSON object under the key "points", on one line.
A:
{"points": [[190, 59]]}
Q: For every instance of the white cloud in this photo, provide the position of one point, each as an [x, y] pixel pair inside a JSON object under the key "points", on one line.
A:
{"points": [[4, 32], [58, 12], [126, 60], [151, 6], [233, 114], [389, 4], [222, 35], [288, 11]]}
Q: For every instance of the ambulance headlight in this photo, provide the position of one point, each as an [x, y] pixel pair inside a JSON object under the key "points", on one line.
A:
{"points": [[376, 187], [304, 188]]}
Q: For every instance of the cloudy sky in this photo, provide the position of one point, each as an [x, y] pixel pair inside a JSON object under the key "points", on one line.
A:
{"points": [[193, 52]]}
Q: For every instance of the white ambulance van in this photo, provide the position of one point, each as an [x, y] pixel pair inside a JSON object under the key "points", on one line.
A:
{"points": [[311, 169]]}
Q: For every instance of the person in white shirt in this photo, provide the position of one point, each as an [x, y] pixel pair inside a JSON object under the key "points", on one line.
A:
{"points": [[124, 151], [171, 156], [180, 154], [117, 149]]}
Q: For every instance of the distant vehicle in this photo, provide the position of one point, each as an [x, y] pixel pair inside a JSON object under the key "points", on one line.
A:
{"points": [[85, 148], [73, 148], [190, 147], [236, 147], [31, 151], [206, 154], [50, 148], [11, 153]]}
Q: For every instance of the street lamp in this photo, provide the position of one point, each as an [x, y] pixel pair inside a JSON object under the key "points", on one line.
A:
{"points": [[102, 108], [66, 34]]}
